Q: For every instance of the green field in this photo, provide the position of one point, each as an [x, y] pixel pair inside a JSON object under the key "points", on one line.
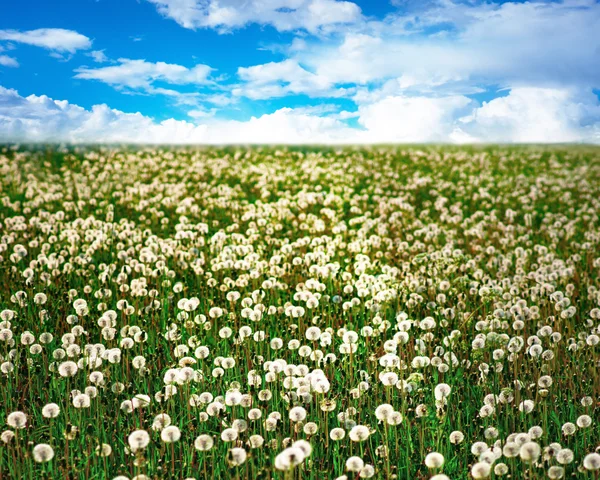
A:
{"points": [[299, 313]]}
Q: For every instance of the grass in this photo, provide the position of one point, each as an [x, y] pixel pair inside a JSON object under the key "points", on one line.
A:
{"points": [[189, 282]]}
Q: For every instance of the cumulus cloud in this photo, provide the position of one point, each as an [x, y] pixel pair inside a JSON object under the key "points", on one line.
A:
{"points": [[440, 47], [284, 15], [7, 61], [537, 115], [98, 55], [56, 39], [278, 79], [42, 119], [140, 74], [524, 115], [542, 43], [411, 119]]}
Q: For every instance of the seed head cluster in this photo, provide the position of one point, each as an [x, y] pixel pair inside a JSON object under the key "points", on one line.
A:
{"points": [[384, 312]]}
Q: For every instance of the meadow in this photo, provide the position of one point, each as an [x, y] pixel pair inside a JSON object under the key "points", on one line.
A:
{"points": [[299, 313]]}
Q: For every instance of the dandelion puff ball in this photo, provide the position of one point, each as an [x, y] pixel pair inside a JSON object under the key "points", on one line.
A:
{"points": [[359, 433], [43, 452], [354, 464], [236, 456], [565, 456], [456, 437], [434, 460], [592, 461], [367, 471], [480, 470], [51, 410], [529, 452], [17, 420], [555, 472], [170, 434], [203, 443], [297, 414], [138, 440]]}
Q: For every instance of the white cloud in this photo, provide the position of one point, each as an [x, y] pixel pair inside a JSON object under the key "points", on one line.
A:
{"points": [[525, 115], [41, 119], [200, 113], [277, 79], [7, 61], [284, 15], [445, 47], [537, 115], [539, 43], [411, 119], [98, 55], [140, 74], [55, 39]]}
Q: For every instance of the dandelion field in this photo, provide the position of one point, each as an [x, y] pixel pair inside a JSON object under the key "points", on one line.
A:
{"points": [[300, 313]]}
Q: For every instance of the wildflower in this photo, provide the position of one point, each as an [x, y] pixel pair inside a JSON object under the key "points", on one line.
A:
{"points": [[43, 452], [50, 410], [359, 433], [530, 452], [480, 470], [434, 460], [170, 434], [17, 420], [138, 440], [203, 443], [236, 456], [592, 461], [565, 456], [354, 464]]}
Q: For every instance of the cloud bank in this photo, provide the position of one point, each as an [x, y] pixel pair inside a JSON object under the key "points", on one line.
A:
{"points": [[525, 115]]}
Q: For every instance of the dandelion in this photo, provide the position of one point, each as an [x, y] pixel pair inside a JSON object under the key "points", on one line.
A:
{"points": [[556, 472], [256, 441], [382, 412], [17, 420], [297, 414], [203, 443], [584, 421], [565, 456], [354, 464], [7, 436], [289, 458], [592, 462], [229, 435], [480, 470], [359, 433], [530, 451], [103, 450], [500, 469], [456, 437], [50, 410], [442, 391], [434, 460], [368, 471], [67, 369], [43, 452], [81, 401], [138, 440], [511, 449], [236, 456], [568, 429], [170, 434]]}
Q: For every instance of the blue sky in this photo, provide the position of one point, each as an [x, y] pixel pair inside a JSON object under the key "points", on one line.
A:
{"points": [[299, 71]]}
